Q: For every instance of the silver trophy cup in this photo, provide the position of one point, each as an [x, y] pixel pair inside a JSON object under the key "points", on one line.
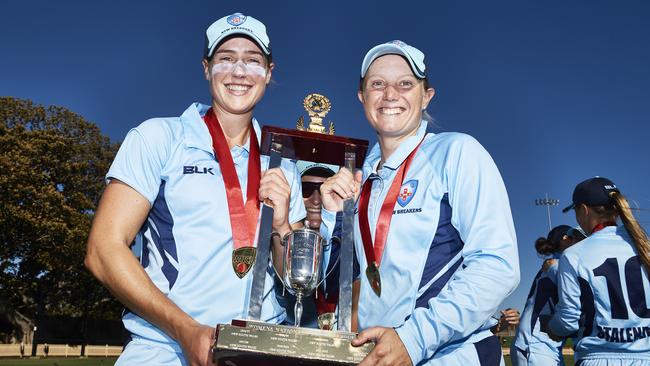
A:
{"points": [[303, 251]]}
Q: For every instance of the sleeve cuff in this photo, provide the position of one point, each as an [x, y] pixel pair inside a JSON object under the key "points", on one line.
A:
{"points": [[131, 183], [406, 333]]}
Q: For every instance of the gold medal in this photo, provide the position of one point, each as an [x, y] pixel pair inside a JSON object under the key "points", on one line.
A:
{"points": [[326, 321], [243, 260], [372, 272]]}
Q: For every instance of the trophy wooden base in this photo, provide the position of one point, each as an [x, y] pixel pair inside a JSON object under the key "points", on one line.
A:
{"points": [[248, 343]]}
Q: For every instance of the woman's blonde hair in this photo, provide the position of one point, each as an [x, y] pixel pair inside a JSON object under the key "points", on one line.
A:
{"points": [[621, 208]]}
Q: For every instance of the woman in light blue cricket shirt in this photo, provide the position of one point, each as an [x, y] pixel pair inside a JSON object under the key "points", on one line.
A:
{"points": [[532, 345], [192, 186], [433, 234], [604, 299]]}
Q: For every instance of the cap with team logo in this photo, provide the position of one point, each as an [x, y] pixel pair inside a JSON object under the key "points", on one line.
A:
{"points": [[593, 192], [414, 56], [237, 23], [317, 169]]}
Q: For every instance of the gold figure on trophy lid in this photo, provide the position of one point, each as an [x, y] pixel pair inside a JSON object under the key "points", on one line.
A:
{"points": [[317, 106]]}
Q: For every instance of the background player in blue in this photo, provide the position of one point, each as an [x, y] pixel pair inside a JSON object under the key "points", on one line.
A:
{"points": [[327, 294], [312, 175], [167, 184], [603, 281], [450, 254], [532, 345]]}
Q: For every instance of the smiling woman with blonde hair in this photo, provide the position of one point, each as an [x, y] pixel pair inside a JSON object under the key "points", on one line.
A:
{"points": [[433, 234]]}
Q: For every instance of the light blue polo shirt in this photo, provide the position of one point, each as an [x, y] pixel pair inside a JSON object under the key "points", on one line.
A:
{"points": [[187, 238], [451, 255]]}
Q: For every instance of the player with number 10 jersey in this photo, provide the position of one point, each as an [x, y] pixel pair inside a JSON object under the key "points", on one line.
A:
{"points": [[603, 281]]}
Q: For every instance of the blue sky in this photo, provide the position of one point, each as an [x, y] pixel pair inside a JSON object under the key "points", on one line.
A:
{"points": [[557, 91]]}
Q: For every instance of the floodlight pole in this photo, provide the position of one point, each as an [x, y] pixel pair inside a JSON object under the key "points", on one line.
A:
{"points": [[548, 203]]}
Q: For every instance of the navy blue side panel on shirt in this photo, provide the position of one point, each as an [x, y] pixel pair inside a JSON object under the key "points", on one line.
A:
{"points": [[160, 223], [587, 305], [332, 281], [144, 249], [445, 246], [546, 292], [533, 286], [489, 351], [436, 287]]}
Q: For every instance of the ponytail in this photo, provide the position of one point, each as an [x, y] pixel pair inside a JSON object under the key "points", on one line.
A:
{"points": [[636, 232], [545, 246]]}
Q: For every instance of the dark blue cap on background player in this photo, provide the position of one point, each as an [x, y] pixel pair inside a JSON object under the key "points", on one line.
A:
{"points": [[593, 192], [558, 232]]}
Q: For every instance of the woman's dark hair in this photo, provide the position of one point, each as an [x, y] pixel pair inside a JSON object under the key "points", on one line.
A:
{"points": [[545, 246], [551, 244]]}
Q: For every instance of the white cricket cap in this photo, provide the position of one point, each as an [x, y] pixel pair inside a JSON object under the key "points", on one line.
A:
{"points": [[237, 23], [414, 56]]}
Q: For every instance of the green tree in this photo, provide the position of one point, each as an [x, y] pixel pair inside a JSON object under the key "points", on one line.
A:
{"points": [[52, 164]]}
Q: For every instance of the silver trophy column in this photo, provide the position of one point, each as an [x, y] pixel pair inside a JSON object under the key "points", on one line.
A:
{"points": [[263, 245], [346, 255]]}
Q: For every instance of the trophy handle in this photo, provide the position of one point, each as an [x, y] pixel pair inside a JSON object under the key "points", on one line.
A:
{"points": [[263, 245]]}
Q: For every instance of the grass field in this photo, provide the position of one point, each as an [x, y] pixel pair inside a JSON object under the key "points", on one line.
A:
{"points": [[91, 361]]}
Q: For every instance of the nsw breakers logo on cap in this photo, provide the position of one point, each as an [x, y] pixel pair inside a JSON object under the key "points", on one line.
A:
{"points": [[406, 192], [236, 19], [397, 43]]}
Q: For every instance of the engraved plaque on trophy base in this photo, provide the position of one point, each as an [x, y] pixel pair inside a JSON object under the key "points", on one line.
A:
{"points": [[247, 343]]}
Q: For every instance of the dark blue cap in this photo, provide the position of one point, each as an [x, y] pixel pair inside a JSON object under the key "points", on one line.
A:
{"points": [[593, 192], [558, 232]]}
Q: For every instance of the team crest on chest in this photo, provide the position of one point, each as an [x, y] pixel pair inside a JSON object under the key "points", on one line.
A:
{"points": [[406, 192]]}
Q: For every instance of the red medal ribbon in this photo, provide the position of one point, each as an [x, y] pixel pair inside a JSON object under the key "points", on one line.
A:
{"points": [[326, 305], [603, 225], [243, 217], [375, 252]]}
